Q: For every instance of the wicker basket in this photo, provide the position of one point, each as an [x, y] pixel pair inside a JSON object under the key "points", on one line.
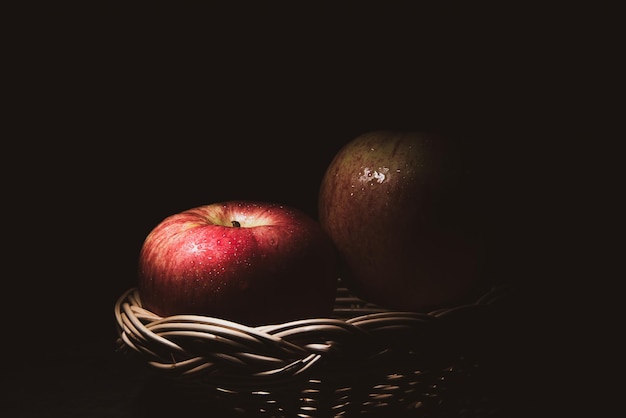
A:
{"points": [[363, 360]]}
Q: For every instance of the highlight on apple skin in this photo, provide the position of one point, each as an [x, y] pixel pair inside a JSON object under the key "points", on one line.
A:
{"points": [[251, 262]]}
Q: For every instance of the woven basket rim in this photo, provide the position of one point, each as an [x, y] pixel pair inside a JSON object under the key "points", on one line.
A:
{"points": [[144, 332], [362, 359]]}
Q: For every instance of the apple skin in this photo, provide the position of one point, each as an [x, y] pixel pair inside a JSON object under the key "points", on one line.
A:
{"points": [[277, 266], [395, 206]]}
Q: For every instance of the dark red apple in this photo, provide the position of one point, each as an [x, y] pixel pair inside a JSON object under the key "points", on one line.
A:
{"points": [[395, 206], [250, 262]]}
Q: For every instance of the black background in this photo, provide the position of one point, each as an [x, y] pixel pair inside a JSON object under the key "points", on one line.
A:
{"points": [[121, 118]]}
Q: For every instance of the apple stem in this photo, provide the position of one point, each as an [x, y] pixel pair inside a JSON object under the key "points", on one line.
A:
{"points": [[236, 224]]}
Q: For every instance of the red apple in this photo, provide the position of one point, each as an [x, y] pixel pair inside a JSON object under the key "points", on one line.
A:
{"points": [[249, 262], [393, 204]]}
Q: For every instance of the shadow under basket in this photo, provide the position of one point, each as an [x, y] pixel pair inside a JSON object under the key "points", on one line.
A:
{"points": [[364, 360]]}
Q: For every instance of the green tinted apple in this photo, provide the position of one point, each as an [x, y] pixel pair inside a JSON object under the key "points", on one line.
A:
{"points": [[393, 203]]}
